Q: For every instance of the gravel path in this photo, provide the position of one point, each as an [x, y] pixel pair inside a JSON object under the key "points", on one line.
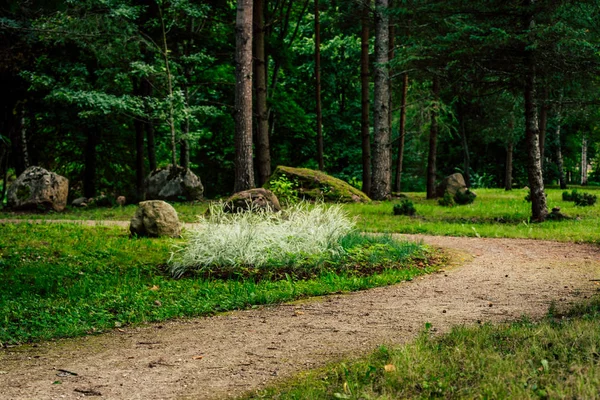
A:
{"points": [[226, 355]]}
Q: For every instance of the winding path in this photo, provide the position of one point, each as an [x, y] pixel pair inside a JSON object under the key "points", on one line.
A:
{"points": [[226, 355]]}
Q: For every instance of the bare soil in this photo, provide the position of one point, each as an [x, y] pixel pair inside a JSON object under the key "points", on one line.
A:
{"points": [[224, 356]]}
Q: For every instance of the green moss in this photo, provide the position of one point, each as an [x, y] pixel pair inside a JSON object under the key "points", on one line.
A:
{"points": [[317, 185]]}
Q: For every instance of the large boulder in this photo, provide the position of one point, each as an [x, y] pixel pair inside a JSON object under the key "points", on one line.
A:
{"points": [[317, 185], [38, 189], [258, 199], [173, 183], [155, 218], [452, 184]]}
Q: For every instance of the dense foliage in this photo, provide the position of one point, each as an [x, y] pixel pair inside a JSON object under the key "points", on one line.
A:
{"points": [[91, 88]]}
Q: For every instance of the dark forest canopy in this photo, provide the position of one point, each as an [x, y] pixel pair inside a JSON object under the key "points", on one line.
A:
{"points": [[101, 90]]}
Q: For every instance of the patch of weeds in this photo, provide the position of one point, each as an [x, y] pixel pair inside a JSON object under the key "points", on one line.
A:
{"points": [[406, 207], [580, 199], [284, 189]]}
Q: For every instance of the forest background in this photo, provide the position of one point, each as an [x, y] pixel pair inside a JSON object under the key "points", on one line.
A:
{"points": [[105, 91]]}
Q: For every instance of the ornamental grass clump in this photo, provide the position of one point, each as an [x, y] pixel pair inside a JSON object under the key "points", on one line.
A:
{"points": [[254, 238]]}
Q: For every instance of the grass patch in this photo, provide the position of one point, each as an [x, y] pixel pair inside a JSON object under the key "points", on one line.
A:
{"points": [[554, 358], [495, 213], [187, 212], [63, 280]]}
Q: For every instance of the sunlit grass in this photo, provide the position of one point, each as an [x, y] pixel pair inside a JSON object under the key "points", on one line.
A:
{"points": [[556, 358]]}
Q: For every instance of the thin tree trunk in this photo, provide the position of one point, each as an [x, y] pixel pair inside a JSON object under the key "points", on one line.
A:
{"points": [[391, 55], [465, 143], [539, 208], [318, 87], [244, 171], [24, 138], [365, 100], [584, 160], [4, 177], [509, 166], [171, 118], [381, 179], [402, 135], [559, 158], [139, 159], [149, 127], [433, 136], [263, 150], [543, 125], [90, 155], [184, 155]]}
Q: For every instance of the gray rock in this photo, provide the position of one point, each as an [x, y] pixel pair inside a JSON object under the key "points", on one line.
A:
{"points": [[79, 202], [173, 183], [254, 199], [451, 184], [36, 189], [155, 218]]}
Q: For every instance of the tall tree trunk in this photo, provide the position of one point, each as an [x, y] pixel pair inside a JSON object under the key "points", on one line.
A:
{"points": [[171, 115], [184, 142], [433, 136], [381, 179], [584, 160], [149, 126], [139, 159], [539, 208], [263, 150], [402, 134], [24, 138], [465, 143], [365, 99], [4, 166], [543, 125], [509, 166], [90, 158], [559, 157], [391, 55], [318, 87], [244, 171]]}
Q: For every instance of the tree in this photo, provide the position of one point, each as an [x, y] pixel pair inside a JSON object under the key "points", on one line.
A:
{"points": [[244, 170], [381, 178], [318, 110], [365, 97]]}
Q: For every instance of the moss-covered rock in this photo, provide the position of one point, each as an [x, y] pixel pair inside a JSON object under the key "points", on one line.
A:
{"points": [[316, 185]]}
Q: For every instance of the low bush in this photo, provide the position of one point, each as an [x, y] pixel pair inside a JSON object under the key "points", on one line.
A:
{"points": [[580, 199], [446, 201], [406, 207], [463, 198]]}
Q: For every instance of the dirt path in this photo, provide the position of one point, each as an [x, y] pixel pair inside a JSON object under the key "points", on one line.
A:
{"points": [[503, 280]]}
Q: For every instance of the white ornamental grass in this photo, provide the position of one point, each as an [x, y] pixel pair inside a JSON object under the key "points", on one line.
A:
{"points": [[254, 238]]}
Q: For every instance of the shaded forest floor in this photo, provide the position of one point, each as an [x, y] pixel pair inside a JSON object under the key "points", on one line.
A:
{"points": [[224, 356]]}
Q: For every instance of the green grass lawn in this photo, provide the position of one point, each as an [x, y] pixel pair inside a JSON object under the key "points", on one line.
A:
{"points": [[64, 280], [557, 358], [495, 213]]}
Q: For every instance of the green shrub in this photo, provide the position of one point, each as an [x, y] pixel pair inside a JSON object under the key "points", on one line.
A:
{"points": [[446, 201], [566, 196], [585, 199], [580, 199], [466, 197], [284, 189], [406, 207]]}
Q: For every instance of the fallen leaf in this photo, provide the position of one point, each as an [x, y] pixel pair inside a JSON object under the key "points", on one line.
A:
{"points": [[299, 312], [197, 357], [389, 368], [154, 288]]}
